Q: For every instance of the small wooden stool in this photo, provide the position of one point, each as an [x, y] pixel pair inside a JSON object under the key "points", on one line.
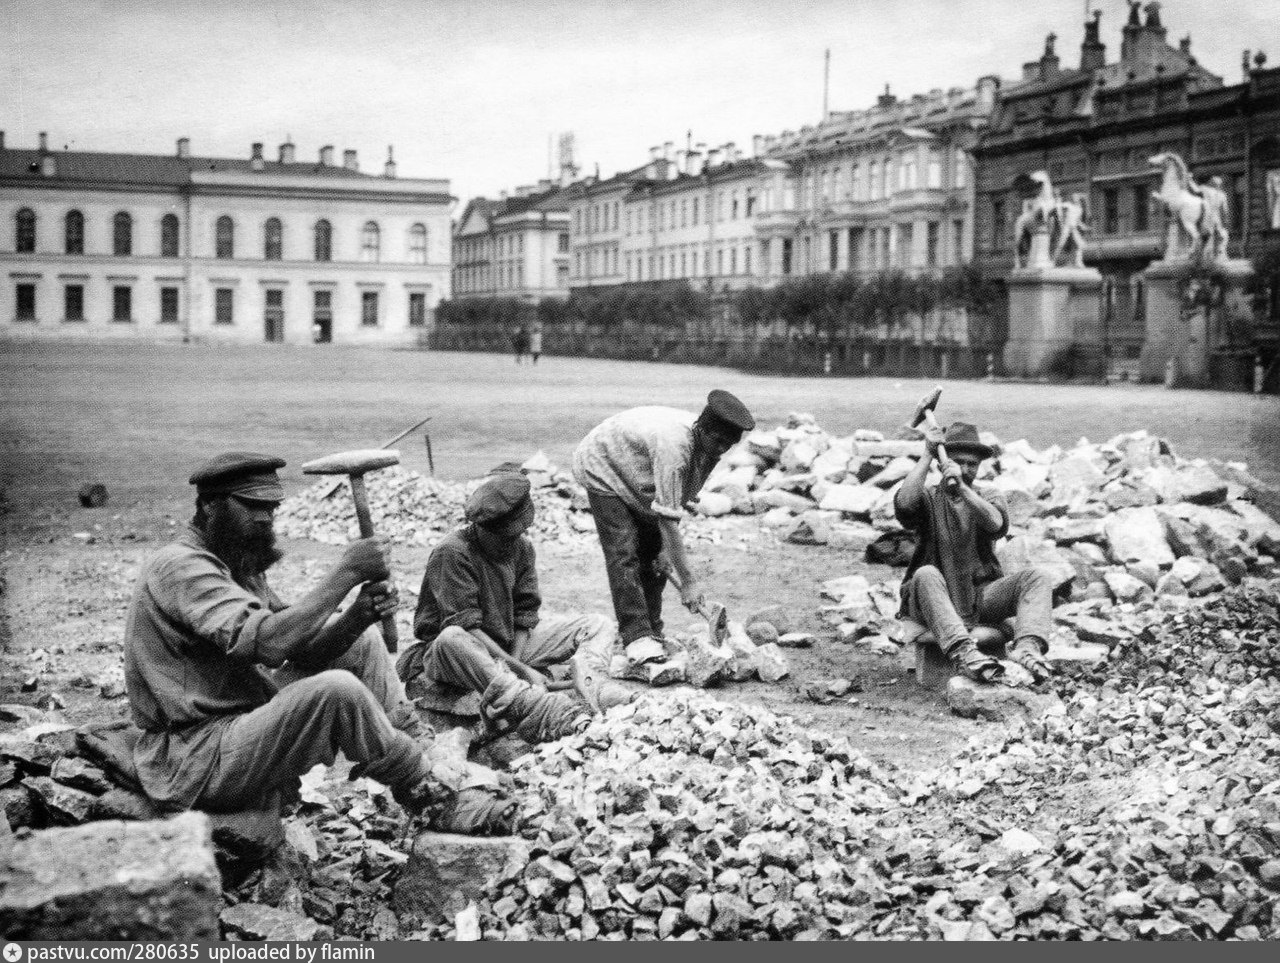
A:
{"points": [[933, 668]]}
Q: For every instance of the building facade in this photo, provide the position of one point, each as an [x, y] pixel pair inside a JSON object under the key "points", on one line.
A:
{"points": [[1093, 128], [180, 247], [513, 247]]}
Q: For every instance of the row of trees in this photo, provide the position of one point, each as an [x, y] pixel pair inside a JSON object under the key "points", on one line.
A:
{"points": [[831, 305]]}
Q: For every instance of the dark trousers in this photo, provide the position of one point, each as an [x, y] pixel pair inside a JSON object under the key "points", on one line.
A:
{"points": [[631, 544]]}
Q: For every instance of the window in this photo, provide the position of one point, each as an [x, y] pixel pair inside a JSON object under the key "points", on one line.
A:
{"points": [[417, 309], [962, 170], [1141, 208], [733, 260], [272, 240], [122, 235], [273, 316], [1110, 211], [873, 175], [224, 239], [25, 227], [370, 243], [562, 244], [224, 306], [997, 223], [418, 244], [169, 235], [907, 172], [324, 241], [934, 172], [833, 256], [957, 241], [369, 309], [746, 259], [787, 248], [168, 305], [122, 303], [73, 302], [855, 183], [733, 207], [74, 239], [931, 244], [26, 302]]}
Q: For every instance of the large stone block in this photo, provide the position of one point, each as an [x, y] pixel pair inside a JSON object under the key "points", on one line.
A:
{"points": [[152, 880], [994, 702], [1138, 535], [445, 872], [253, 921], [857, 500]]}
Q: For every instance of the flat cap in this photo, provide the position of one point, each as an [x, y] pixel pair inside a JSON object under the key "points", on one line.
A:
{"points": [[726, 409], [503, 493], [246, 474]]}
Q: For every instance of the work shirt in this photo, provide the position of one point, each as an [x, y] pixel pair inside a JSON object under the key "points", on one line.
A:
{"points": [[643, 456], [950, 538], [191, 664], [464, 586]]}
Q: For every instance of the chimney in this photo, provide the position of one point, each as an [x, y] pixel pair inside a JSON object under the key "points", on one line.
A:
{"points": [[1093, 52], [184, 147], [287, 152], [44, 141], [666, 149], [1244, 63], [349, 160], [713, 157], [655, 153], [544, 185], [389, 168], [1031, 70], [886, 99], [680, 160], [255, 160], [326, 155], [1132, 30], [1153, 19], [731, 152], [1049, 60], [1184, 45], [693, 162], [988, 87]]}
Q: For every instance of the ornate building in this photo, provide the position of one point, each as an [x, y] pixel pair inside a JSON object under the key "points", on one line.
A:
{"points": [[1094, 128], [178, 247], [515, 247]]}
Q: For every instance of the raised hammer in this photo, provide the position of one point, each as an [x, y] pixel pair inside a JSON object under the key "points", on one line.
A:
{"points": [[924, 414], [355, 464]]}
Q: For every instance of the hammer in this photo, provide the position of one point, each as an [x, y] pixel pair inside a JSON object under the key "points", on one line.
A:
{"points": [[924, 414], [715, 613], [354, 464]]}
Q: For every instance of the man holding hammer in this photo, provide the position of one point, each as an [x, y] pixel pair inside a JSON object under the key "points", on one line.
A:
{"points": [[238, 694], [954, 580]]}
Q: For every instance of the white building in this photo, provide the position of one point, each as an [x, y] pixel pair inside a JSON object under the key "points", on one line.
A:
{"points": [[514, 247], [101, 245]]}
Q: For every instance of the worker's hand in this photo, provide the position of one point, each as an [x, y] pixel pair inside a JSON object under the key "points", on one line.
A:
{"points": [[692, 596], [530, 675], [368, 559], [953, 477], [376, 601], [933, 436]]}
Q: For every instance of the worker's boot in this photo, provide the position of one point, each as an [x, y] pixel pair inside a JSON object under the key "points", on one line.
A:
{"points": [[592, 681], [457, 796], [973, 663], [535, 714], [1028, 652]]}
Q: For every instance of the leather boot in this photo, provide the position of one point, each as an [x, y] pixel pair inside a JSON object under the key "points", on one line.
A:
{"points": [[535, 714]]}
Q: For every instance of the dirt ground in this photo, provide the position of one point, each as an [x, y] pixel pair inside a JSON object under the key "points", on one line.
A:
{"points": [[138, 418]]}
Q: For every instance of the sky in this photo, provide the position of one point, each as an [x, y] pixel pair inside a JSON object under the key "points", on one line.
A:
{"points": [[472, 90]]}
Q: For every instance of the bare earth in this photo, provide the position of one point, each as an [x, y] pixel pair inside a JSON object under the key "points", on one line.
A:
{"points": [[138, 418]]}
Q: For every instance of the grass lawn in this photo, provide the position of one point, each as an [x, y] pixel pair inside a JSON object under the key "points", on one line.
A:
{"points": [[139, 417]]}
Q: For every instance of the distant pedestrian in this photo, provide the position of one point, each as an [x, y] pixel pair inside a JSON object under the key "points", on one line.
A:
{"points": [[520, 342], [535, 342]]}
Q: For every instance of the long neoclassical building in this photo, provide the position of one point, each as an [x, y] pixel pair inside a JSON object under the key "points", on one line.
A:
{"points": [[102, 245]]}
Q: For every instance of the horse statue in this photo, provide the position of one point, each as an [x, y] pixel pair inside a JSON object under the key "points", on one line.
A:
{"points": [[1037, 212], [1069, 217], [1199, 210]]}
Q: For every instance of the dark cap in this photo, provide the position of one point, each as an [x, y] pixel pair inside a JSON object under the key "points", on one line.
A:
{"points": [[501, 495], [724, 412], [961, 436], [245, 474]]}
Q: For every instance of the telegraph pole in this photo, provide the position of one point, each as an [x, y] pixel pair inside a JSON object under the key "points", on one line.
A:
{"points": [[826, 82]]}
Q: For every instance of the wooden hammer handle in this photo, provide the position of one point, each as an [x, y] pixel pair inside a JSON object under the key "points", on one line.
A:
{"points": [[390, 634]]}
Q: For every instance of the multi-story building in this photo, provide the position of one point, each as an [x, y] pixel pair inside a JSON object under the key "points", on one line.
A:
{"points": [[103, 245], [514, 247], [596, 232], [888, 188], [1094, 128]]}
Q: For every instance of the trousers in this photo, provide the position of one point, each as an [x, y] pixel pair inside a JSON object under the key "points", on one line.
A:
{"points": [[1025, 596], [356, 706], [631, 544]]}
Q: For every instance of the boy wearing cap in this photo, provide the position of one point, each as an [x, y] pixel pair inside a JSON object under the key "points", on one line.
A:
{"points": [[640, 468], [219, 731], [479, 622], [954, 580]]}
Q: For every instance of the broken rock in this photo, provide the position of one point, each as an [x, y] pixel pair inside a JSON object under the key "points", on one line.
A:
{"points": [[771, 663], [1137, 535], [253, 921], [994, 702]]}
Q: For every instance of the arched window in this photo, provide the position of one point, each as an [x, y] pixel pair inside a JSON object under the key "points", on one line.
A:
{"points": [[169, 235], [370, 242], [418, 244], [324, 241], [122, 235], [272, 239], [25, 225], [224, 238], [74, 240]]}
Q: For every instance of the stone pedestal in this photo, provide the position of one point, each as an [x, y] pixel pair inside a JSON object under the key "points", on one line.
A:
{"points": [[1051, 311], [1187, 339]]}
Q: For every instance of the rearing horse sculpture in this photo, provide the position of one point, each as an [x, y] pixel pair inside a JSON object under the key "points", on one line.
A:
{"points": [[1199, 210], [1036, 211]]}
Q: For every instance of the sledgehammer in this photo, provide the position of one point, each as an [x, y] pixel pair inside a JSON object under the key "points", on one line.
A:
{"points": [[924, 413], [354, 464]]}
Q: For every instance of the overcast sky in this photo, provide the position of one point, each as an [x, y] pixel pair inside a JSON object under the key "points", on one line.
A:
{"points": [[471, 89]]}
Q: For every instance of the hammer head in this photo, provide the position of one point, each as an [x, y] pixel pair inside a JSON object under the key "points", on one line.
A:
{"points": [[927, 404], [355, 462]]}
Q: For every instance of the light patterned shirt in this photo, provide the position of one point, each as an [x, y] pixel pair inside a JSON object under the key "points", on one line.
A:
{"points": [[641, 456]]}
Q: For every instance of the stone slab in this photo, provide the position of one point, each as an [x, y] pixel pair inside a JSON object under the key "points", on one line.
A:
{"points": [[447, 871]]}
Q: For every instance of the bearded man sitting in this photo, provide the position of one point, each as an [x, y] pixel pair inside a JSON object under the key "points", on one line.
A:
{"points": [[238, 693]]}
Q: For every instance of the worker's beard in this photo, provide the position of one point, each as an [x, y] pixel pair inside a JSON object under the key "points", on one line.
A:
{"points": [[248, 550]]}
